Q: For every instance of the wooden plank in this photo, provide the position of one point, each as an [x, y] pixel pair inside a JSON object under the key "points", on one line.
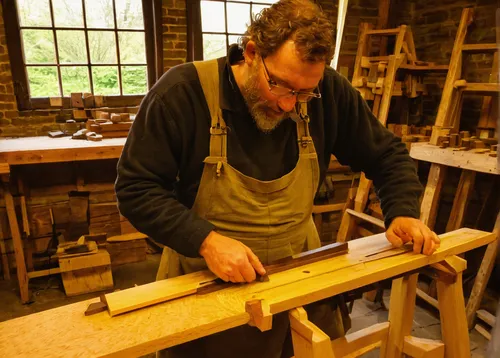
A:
{"points": [[455, 68], [423, 348], [403, 293], [51, 150], [384, 32], [430, 201], [481, 87], [42, 273], [4, 168], [452, 158], [480, 48], [327, 208], [461, 200], [394, 63], [361, 51], [430, 300], [362, 193], [16, 239], [487, 317], [362, 341], [365, 217], [164, 325], [483, 331]]}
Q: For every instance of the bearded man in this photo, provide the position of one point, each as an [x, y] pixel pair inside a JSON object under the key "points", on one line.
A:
{"points": [[225, 157]]}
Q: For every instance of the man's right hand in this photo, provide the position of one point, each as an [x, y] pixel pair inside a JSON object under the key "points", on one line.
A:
{"points": [[229, 259]]}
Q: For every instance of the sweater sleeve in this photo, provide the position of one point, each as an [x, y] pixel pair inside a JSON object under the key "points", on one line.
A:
{"points": [[147, 172], [366, 145]]}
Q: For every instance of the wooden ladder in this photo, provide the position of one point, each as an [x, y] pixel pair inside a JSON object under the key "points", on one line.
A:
{"points": [[448, 122]]}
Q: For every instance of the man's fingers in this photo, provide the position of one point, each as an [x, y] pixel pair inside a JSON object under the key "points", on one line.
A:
{"points": [[436, 239], [236, 277], [255, 262], [429, 245], [248, 272], [394, 239], [418, 240]]}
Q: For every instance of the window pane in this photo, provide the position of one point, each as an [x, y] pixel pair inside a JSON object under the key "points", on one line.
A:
{"points": [[67, 13], [102, 47], [238, 17], [99, 14], [43, 81], [34, 12], [212, 16], [38, 46], [132, 47], [75, 79], [257, 9], [214, 46], [258, 1], [129, 14], [105, 80], [234, 39], [134, 79], [71, 45]]}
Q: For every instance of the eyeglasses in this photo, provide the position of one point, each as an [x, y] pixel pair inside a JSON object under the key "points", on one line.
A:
{"points": [[285, 92]]}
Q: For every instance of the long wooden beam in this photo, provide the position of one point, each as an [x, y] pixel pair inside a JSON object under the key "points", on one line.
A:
{"points": [[66, 331]]}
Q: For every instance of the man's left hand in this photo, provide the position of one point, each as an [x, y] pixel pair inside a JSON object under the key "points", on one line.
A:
{"points": [[405, 229]]}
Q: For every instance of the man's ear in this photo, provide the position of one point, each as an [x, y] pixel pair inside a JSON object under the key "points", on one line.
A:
{"points": [[250, 52]]}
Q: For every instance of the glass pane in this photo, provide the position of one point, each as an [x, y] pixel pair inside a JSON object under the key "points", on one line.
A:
{"points": [[134, 79], [234, 39], [75, 79], [238, 17], [99, 14], [34, 12], [105, 80], [67, 13], [257, 9], [38, 46], [71, 45], [102, 47], [212, 16], [43, 81], [214, 46], [132, 47], [129, 14]]}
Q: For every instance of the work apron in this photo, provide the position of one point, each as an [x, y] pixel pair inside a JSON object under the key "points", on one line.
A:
{"points": [[273, 218]]}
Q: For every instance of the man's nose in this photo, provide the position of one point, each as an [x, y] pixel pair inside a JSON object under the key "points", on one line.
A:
{"points": [[287, 104]]}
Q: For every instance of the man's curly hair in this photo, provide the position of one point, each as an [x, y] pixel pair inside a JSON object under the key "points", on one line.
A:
{"points": [[299, 20]]}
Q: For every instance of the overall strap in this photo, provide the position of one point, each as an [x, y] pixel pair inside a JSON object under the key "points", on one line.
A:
{"points": [[208, 73]]}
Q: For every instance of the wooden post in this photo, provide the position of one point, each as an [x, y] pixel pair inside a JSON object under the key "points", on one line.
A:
{"points": [[16, 240], [430, 201], [461, 201], [483, 276], [402, 307], [454, 69], [452, 313], [383, 22]]}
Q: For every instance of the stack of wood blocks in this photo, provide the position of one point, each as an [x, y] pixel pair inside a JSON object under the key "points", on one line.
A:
{"points": [[110, 125], [482, 142], [410, 134]]}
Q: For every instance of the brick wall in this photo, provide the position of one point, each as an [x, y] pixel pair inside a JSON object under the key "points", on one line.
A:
{"points": [[174, 33]]}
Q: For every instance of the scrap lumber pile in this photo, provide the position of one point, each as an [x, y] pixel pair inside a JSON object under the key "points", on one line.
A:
{"points": [[110, 125], [127, 248], [482, 142]]}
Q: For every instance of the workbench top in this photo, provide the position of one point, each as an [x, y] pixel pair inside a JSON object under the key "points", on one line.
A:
{"points": [[67, 332], [31, 150]]}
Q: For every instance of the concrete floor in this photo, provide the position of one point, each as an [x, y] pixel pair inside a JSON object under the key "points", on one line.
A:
{"points": [[48, 293]]}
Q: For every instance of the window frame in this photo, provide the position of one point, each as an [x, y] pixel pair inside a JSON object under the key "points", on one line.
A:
{"points": [[152, 14], [195, 31]]}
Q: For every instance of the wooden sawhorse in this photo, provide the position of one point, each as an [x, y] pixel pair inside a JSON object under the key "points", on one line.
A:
{"points": [[394, 337]]}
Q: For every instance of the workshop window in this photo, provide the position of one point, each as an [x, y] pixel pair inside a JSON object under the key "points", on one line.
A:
{"points": [[215, 25], [104, 47]]}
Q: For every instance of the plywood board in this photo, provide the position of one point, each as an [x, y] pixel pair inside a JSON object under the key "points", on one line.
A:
{"points": [[65, 331]]}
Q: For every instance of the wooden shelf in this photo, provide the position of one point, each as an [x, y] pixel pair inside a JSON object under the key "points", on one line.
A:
{"points": [[480, 48], [458, 159]]}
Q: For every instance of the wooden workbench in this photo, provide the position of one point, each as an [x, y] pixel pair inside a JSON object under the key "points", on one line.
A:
{"points": [[33, 150], [66, 332], [37, 150]]}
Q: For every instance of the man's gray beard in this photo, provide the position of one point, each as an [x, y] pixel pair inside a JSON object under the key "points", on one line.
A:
{"points": [[257, 106]]}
